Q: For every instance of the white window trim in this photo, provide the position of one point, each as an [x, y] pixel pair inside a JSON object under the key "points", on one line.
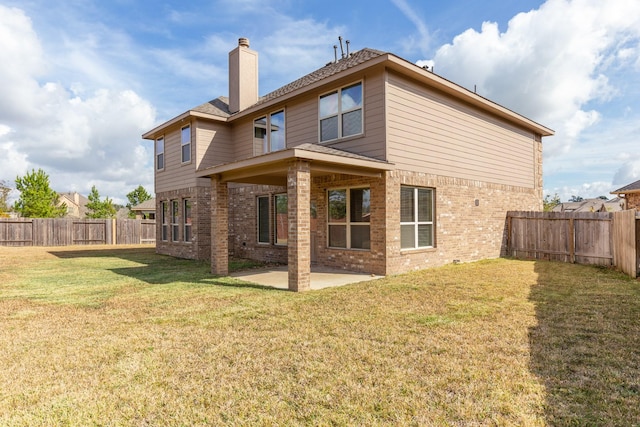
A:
{"points": [[175, 225], [158, 154], [348, 223], [267, 117], [275, 219], [183, 144], [184, 220], [340, 113], [164, 232], [417, 223]]}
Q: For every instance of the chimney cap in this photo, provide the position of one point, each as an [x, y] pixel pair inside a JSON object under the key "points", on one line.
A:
{"points": [[243, 41]]}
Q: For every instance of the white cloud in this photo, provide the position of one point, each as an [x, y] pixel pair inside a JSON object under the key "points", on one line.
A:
{"points": [[74, 134], [561, 65]]}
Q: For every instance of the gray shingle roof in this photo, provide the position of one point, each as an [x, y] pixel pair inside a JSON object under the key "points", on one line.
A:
{"points": [[317, 148], [328, 70], [216, 107], [634, 186], [220, 106], [147, 205]]}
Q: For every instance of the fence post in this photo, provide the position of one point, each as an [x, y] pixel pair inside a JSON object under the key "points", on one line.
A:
{"points": [[572, 241], [114, 233]]}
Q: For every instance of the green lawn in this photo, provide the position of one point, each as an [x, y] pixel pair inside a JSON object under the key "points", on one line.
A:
{"points": [[112, 336]]}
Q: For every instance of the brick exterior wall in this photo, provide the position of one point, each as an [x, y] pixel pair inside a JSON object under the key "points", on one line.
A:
{"points": [[243, 227], [633, 201], [470, 219], [299, 224], [200, 245]]}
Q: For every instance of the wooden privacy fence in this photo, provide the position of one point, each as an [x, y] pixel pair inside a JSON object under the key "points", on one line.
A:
{"points": [[604, 238], [66, 232]]}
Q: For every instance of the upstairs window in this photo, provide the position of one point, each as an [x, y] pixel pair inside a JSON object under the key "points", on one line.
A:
{"points": [[416, 217], [160, 153], [341, 113], [185, 142], [269, 132]]}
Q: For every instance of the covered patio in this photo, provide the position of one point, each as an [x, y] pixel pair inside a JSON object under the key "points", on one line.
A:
{"points": [[293, 169], [320, 277]]}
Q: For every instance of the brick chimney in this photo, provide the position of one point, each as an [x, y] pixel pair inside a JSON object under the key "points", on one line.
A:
{"points": [[243, 76]]}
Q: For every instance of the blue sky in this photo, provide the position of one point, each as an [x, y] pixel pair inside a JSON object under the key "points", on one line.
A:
{"points": [[83, 79]]}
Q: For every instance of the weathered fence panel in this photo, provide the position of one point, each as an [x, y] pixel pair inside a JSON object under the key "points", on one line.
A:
{"points": [[602, 238], [625, 251], [16, 232], [567, 237], [66, 232]]}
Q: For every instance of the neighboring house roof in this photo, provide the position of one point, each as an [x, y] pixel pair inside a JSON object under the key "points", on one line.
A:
{"points": [[591, 205], [634, 187], [76, 203], [147, 206], [218, 108]]}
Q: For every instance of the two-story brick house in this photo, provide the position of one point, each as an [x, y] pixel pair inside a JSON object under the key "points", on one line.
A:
{"points": [[369, 164]]}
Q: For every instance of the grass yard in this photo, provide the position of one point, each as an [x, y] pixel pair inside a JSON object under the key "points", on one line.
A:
{"points": [[125, 337]]}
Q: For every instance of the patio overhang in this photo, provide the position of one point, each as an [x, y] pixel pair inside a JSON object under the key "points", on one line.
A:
{"points": [[271, 168]]}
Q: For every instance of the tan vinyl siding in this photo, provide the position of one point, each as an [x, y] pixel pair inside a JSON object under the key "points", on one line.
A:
{"points": [[242, 135], [372, 142], [213, 144], [301, 121], [432, 133], [175, 174]]}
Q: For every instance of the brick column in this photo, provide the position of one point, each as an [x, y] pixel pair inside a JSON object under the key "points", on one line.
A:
{"points": [[219, 227], [299, 232]]}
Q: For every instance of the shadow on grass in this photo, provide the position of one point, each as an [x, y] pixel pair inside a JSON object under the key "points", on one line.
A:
{"points": [[158, 269], [585, 348]]}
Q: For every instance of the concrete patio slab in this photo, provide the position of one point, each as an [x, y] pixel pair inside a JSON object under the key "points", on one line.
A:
{"points": [[321, 277]]}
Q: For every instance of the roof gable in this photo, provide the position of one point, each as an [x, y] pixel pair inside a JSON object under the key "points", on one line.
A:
{"points": [[629, 188]]}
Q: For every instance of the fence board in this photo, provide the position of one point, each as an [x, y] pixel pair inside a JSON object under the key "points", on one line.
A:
{"points": [[602, 238], [65, 231], [567, 237], [625, 237]]}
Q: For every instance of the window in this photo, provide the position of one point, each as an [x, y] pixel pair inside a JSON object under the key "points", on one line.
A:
{"points": [[281, 219], [263, 219], [341, 113], [185, 142], [165, 221], [175, 227], [349, 218], [160, 153], [269, 132], [416, 217], [187, 220]]}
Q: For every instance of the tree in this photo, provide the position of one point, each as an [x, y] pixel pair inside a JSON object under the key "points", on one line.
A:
{"points": [[550, 202], [4, 196], [37, 199], [136, 197], [99, 209], [576, 198]]}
